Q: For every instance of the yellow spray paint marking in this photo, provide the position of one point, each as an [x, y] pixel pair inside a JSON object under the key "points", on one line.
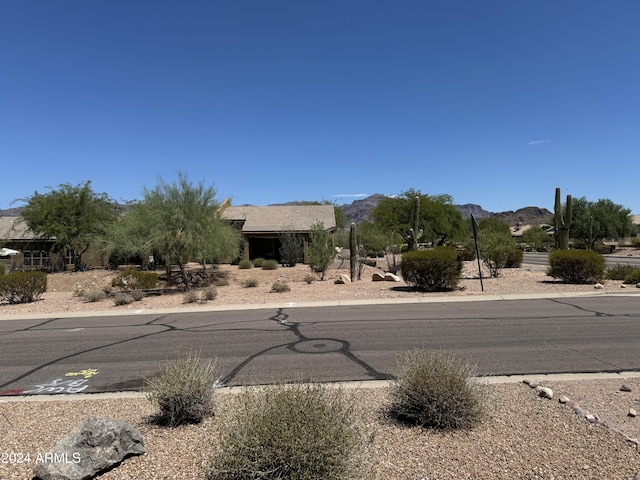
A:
{"points": [[87, 373]]}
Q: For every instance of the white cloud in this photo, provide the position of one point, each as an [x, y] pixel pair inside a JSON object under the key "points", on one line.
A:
{"points": [[537, 142], [357, 195]]}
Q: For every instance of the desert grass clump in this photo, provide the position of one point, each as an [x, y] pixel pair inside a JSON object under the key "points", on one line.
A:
{"points": [[269, 265], [184, 390], [137, 295], [279, 286], [245, 264], [436, 390], [209, 294], [309, 278], [249, 283], [122, 299], [94, 295], [297, 431], [258, 262], [191, 297]]}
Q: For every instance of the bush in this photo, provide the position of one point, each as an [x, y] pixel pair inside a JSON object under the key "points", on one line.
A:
{"points": [[3, 269], [191, 297], [22, 287], [249, 283], [221, 282], [269, 265], [635, 242], [291, 249], [309, 278], [619, 272], [432, 270], [280, 286], [436, 390], [297, 432], [94, 295], [632, 277], [245, 264], [184, 390], [137, 295], [209, 294], [576, 266], [495, 249], [321, 252], [258, 262], [514, 258], [132, 279], [122, 299]]}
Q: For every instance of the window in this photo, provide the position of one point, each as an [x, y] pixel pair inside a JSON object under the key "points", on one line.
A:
{"points": [[35, 258]]}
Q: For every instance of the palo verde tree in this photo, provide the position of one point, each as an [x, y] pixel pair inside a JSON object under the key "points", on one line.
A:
{"points": [[74, 216], [321, 249], [439, 220], [178, 222], [593, 221]]}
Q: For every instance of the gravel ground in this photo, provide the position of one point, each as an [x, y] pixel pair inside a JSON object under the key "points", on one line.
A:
{"points": [[524, 435]]}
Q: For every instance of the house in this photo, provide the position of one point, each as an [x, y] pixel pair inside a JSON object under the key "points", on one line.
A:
{"points": [[262, 227]]}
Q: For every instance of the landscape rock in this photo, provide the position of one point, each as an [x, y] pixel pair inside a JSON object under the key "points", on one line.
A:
{"points": [[563, 399], [534, 384], [96, 445], [342, 279], [546, 392], [632, 412], [377, 277], [598, 286], [390, 277], [625, 388]]}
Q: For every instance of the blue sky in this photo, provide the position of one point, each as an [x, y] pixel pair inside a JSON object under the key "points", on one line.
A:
{"points": [[493, 102]]}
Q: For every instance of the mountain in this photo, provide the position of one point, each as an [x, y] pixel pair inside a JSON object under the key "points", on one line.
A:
{"points": [[526, 216], [360, 210]]}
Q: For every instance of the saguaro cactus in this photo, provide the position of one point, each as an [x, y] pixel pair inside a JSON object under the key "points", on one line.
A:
{"points": [[353, 248], [563, 221], [414, 234]]}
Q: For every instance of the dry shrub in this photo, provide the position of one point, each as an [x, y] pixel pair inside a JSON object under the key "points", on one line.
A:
{"points": [[279, 286], [436, 390], [299, 431], [249, 283]]}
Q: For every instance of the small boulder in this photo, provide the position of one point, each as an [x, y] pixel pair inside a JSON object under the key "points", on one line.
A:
{"points": [[625, 388], [390, 277], [563, 399], [546, 392], [342, 279], [632, 412], [598, 286], [96, 445], [377, 277]]}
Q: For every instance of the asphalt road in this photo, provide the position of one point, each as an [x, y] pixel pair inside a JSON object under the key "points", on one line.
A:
{"points": [[611, 260], [93, 354]]}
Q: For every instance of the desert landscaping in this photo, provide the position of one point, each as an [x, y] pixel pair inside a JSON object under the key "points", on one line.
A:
{"points": [[525, 435]]}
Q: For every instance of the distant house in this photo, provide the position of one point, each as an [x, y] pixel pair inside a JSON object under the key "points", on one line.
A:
{"points": [[262, 227], [33, 253]]}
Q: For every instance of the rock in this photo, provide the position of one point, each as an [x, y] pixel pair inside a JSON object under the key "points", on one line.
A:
{"points": [[342, 279], [625, 388], [390, 277], [632, 412], [563, 399], [534, 384], [377, 277], [545, 392], [638, 285], [526, 381], [598, 286], [592, 418], [581, 412], [96, 445]]}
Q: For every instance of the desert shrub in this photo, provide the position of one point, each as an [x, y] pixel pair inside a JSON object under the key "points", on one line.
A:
{"points": [[94, 295], [514, 258], [269, 265], [436, 390], [258, 262], [132, 279], [619, 271], [249, 283], [22, 287], [291, 248], [191, 296], [309, 278], [432, 270], [321, 251], [137, 295], [632, 277], [245, 264], [467, 252], [297, 432], [3, 269], [576, 266], [209, 294], [107, 289], [221, 282], [122, 299], [635, 242], [279, 286], [495, 249], [184, 390]]}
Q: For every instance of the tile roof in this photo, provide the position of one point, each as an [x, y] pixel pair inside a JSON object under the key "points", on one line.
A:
{"points": [[280, 218]]}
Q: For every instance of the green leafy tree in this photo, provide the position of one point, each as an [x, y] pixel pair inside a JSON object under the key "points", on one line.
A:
{"points": [[291, 248], [177, 222], [321, 250], [593, 221], [495, 243], [439, 220], [74, 216], [535, 236]]}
